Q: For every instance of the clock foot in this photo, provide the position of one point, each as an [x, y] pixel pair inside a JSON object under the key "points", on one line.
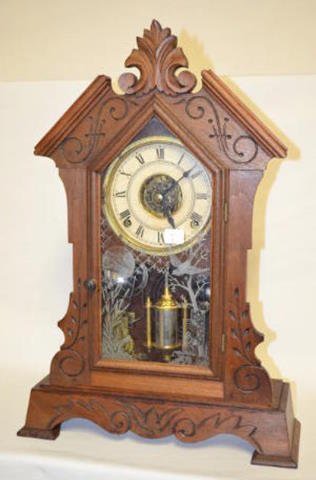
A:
{"points": [[45, 434], [279, 461]]}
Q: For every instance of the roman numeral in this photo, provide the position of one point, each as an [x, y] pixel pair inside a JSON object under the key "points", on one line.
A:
{"points": [[125, 214], [160, 153], [160, 238], [180, 159], [124, 173], [140, 158], [201, 196], [196, 219], [121, 194], [140, 231], [126, 217]]}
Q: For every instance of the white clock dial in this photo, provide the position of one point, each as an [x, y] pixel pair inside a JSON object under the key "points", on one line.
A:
{"points": [[158, 196]]}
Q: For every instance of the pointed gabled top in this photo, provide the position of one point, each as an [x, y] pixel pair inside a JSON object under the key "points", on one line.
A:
{"points": [[158, 58]]}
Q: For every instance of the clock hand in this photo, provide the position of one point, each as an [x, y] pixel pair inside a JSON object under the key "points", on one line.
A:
{"points": [[167, 213], [170, 218], [185, 174]]}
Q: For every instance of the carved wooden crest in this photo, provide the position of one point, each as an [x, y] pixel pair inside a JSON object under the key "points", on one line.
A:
{"points": [[157, 59]]}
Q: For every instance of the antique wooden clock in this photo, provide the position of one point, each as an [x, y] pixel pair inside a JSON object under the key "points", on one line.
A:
{"points": [[160, 185]]}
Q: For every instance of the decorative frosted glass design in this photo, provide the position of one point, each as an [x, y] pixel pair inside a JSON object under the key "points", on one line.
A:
{"points": [[155, 249], [130, 278]]}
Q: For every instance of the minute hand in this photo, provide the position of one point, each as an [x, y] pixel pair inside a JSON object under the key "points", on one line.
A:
{"points": [[185, 174]]}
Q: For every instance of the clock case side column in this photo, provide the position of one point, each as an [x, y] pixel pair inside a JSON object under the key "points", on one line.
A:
{"points": [[70, 366], [246, 381]]}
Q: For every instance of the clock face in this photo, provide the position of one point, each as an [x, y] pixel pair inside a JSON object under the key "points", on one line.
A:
{"points": [[157, 196]]}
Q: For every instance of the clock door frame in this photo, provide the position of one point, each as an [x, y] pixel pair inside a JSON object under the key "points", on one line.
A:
{"points": [[134, 370]]}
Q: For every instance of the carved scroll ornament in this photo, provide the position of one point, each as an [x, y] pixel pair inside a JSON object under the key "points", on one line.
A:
{"points": [[70, 360], [156, 421], [248, 374], [77, 147], [237, 146]]}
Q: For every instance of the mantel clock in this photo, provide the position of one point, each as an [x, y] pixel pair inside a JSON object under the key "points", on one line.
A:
{"points": [[160, 185]]}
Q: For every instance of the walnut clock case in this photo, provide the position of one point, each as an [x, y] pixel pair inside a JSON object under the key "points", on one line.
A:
{"points": [[160, 185]]}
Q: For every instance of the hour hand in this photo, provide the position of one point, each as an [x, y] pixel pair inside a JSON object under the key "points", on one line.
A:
{"points": [[185, 174], [170, 218], [167, 214]]}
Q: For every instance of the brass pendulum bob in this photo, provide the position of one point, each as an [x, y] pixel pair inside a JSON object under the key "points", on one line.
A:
{"points": [[166, 328], [162, 324]]}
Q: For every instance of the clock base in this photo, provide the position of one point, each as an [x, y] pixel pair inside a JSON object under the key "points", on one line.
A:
{"points": [[273, 432]]}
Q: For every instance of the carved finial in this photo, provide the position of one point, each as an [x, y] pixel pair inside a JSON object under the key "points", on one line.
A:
{"points": [[157, 59]]}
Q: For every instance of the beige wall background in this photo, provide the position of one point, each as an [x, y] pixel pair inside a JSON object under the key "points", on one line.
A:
{"points": [[76, 39]]}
